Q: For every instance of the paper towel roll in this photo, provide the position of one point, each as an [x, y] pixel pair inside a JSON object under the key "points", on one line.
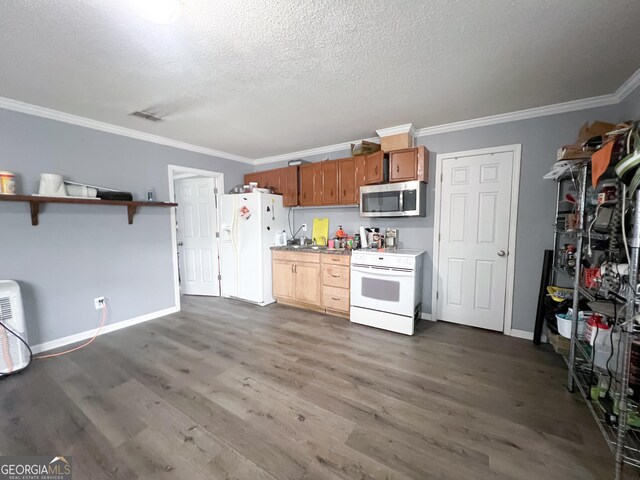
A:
{"points": [[81, 191], [52, 185]]}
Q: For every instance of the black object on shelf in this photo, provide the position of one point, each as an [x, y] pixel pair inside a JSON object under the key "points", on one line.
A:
{"points": [[547, 265], [108, 195]]}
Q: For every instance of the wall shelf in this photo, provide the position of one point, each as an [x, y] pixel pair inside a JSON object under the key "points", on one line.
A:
{"points": [[35, 202]]}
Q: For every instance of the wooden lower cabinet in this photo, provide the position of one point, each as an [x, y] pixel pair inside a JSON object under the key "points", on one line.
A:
{"points": [[316, 281], [283, 280], [307, 282]]}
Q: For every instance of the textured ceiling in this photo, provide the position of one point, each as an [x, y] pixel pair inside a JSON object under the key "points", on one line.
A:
{"points": [[259, 78]]}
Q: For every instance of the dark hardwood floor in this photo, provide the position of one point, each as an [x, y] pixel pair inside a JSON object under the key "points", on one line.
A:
{"points": [[232, 391]]}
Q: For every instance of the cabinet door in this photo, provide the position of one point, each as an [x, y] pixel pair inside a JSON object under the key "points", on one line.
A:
{"points": [[253, 177], [317, 183], [360, 162], [403, 165], [347, 191], [307, 180], [330, 182], [289, 185], [283, 280], [271, 179], [373, 165], [307, 283]]}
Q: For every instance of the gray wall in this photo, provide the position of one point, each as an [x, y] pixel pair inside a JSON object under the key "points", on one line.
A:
{"points": [[631, 106], [540, 138], [79, 252]]}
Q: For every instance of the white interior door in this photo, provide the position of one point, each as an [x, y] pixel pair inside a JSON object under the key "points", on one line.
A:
{"points": [[475, 207], [197, 242]]}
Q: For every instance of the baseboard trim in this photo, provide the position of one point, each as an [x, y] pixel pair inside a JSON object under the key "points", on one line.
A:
{"points": [[426, 316], [521, 334], [78, 337]]}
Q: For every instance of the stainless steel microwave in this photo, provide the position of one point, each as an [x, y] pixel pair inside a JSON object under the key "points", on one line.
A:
{"points": [[406, 199]]}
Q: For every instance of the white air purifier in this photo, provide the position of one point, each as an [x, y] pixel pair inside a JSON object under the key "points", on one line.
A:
{"points": [[14, 355]]}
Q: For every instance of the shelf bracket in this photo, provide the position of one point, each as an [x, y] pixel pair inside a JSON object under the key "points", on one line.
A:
{"points": [[131, 211], [35, 210]]}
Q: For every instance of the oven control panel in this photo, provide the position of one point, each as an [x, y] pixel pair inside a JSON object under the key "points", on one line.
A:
{"points": [[383, 259]]}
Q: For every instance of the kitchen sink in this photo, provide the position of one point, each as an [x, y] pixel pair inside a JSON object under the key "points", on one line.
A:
{"points": [[317, 247]]}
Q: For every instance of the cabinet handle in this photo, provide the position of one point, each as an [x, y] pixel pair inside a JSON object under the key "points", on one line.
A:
{"points": [[337, 299], [295, 269], [292, 268], [335, 276], [344, 192], [335, 259], [375, 170], [397, 168]]}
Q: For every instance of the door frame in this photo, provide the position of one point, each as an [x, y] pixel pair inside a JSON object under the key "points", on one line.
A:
{"points": [[516, 150], [177, 172]]}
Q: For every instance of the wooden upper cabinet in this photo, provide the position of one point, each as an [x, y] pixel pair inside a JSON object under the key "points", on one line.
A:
{"points": [[347, 190], [253, 177], [374, 168], [409, 164], [307, 190], [329, 182], [271, 179], [289, 186], [317, 184]]}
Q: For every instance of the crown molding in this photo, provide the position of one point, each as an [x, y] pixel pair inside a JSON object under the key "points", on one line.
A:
{"points": [[16, 106], [406, 128], [313, 151], [618, 96], [572, 106], [629, 86]]}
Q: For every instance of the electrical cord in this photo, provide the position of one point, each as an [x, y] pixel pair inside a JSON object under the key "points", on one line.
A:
{"points": [[615, 320], [52, 355], [14, 372], [88, 342]]}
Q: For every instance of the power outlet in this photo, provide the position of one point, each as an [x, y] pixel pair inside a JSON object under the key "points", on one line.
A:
{"points": [[99, 303], [304, 227]]}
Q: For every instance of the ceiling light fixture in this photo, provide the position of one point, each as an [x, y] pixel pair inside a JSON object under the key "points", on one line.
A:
{"points": [[162, 12]]}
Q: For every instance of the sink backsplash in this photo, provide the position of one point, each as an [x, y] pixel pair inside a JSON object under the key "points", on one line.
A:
{"points": [[414, 232]]}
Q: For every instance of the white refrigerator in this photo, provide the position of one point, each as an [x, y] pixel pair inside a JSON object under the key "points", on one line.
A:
{"points": [[249, 224]]}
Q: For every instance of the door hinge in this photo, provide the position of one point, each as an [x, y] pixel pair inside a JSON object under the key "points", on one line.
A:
{"points": [[439, 236], [215, 190], [437, 295], [219, 277], [441, 176], [217, 234]]}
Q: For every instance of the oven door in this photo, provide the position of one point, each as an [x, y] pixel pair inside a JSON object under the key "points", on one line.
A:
{"points": [[383, 289]]}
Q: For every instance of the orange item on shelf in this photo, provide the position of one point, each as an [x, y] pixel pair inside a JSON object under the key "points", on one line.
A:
{"points": [[600, 161], [340, 233]]}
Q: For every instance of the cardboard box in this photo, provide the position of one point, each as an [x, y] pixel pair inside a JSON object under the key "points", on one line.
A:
{"points": [[396, 142], [364, 148], [578, 149], [559, 343]]}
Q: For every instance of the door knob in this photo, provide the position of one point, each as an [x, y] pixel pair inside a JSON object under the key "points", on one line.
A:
{"points": [[180, 244], [501, 253]]}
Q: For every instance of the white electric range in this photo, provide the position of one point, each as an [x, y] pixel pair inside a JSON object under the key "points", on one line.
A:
{"points": [[386, 289]]}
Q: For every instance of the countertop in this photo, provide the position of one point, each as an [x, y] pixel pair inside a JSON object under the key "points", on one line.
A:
{"points": [[310, 249]]}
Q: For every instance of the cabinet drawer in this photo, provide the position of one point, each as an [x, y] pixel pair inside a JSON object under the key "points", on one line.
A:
{"points": [[335, 298], [336, 259], [335, 275], [295, 257]]}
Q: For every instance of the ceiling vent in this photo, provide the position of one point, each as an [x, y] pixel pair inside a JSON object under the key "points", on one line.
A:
{"points": [[146, 116]]}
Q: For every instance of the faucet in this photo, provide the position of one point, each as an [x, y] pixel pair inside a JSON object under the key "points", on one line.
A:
{"points": [[324, 240]]}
